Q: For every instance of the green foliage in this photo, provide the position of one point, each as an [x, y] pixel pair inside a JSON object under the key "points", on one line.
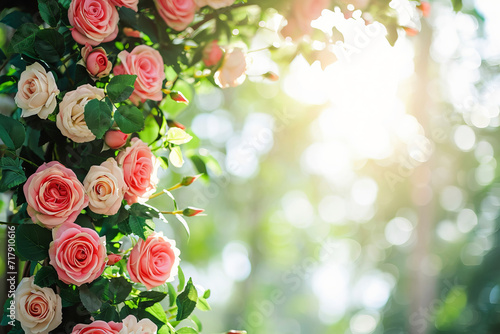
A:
{"points": [[149, 298], [23, 40], [119, 289], [46, 276], [121, 87], [12, 173], [16, 18], [12, 132], [186, 301], [457, 5], [49, 11], [129, 119], [98, 116], [49, 44], [33, 242]]}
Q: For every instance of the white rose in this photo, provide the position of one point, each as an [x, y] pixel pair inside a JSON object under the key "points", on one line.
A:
{"points": [[215, 4], [105, 187], [71, 120], [36, 92], [131, 326], [39, 310], [233, 68]]}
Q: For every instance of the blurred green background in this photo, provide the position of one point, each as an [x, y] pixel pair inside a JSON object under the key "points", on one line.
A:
{"points": [[362, 198]]}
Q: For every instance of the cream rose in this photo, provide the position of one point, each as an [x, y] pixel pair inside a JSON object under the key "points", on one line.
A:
{"points": [[105, 187], [233, 68], [36, 92], [39, 310], [132, 326], [71, 120], [215, 4]]}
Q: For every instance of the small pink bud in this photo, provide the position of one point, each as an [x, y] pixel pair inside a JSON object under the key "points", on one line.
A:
{"points": [[212, 53], [131, 32], [411, 32], [178, 97], [113, 258], [271, 76], [115, 139], [236, 332], [187, 180], [191, 212], [174, 124]]}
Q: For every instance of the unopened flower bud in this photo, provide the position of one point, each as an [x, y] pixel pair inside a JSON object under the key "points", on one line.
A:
{"points": [[191, 212], [178, 97], [187, 180]]}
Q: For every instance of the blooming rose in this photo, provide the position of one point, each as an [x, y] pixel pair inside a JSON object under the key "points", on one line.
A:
{"points": [[54, 195], [115, 139], [153, 262], [216, 4], [70, 119], [144, 326], [105, 187], [139, 169], [147, 64], [95, 61], [36, 92], [178, 14], [77, 253], [93, 21], [303, 12], [39, 310], [132, 4], [232, 71], [212, 53], [98, 327]]}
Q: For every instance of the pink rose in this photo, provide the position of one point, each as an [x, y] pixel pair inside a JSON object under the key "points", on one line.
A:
{"points": [[54, 195], [115, 139], [105, 187], [215, 4], [113, 258], [147, 64], [153, 262], [132, 4], [212, 53], [39, 310], [93, 21], [303, 12], [140, 171], [232, 71], [178, 14], [77, 253], [98, 327], [95, 61]]}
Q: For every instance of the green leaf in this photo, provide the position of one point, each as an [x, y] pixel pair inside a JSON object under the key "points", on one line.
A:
{"points": [[46, 276], [186, 301], [137, 226], [149, 298], [155, 313], [108, 313], [129, 119], [89, 299], [181, 278], [172, 294], [119, 289], [144, 211], [197, 322], [49, 45], [49, 11], [9, 312], [457, 5], [98, 117], [121, 87], [32, 241], [12, 132], [12, 173], [23, 40], [203, 304], [151, 130], [186, 330], [206, 294], [16, 18]]}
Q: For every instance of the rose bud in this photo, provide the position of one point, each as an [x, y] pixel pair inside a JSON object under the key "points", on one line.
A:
{"points": [[173, 124], [212, 53], [425, 7], [186, 181], [113, 258], [411, 32], [129, 32], [115, 139], [178, 97], [271, 76], [191, 212], [237, 332], [95, 61]]}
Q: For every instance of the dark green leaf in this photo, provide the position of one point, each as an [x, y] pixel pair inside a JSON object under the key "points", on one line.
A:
{"points": [[149, 298], [9, 312], [32, 241], [23, 40], [12, 132], [129, 119], [121, 87], [119, 289], [49, 11], [186, 301], [144, 211], [46, 276], [16, 18], [172, 294], [98, 117], [12, 173], [108, 313], [137, 226], [49, 45], [89, 299]]}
